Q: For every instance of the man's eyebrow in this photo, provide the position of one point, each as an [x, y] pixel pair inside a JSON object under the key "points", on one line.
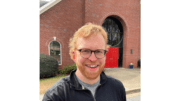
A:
{"points": [[92, 50]]}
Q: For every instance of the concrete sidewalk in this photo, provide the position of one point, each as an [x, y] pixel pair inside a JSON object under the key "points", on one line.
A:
{"points": [[129, 77]]}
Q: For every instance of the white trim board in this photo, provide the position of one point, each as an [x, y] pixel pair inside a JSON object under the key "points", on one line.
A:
{"points": [[48, 5]]}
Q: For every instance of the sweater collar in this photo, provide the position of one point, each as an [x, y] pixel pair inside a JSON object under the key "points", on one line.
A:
{"points": [[76, 85]]}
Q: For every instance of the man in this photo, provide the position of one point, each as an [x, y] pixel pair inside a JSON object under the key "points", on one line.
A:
{"points": [[88, 48]]}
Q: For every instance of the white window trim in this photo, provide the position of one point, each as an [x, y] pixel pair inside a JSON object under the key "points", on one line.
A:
{"points": [[60, 51]]}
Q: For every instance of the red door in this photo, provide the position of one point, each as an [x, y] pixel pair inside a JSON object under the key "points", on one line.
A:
{"points": [[112, 58]]}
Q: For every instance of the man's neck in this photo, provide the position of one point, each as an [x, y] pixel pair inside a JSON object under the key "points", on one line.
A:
{"points": [[84, 79]]}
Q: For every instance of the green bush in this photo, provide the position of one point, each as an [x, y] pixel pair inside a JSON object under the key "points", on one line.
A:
{"points": [[48, 66], [67, 69]]}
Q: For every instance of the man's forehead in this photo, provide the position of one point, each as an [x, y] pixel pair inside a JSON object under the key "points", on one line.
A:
{"points": [[93, 42]]}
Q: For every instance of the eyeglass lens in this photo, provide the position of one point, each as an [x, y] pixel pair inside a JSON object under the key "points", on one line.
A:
{"points": [[87, 53]]}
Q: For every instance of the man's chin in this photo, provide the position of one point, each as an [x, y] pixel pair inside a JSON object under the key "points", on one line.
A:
{"points": [[92, 73], [91, 76]]}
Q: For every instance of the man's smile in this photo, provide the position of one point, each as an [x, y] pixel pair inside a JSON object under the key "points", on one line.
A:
{"points": [[93, 66]]}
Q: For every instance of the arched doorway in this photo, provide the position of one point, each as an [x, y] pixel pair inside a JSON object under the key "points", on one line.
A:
{"points": [[114, 29]]}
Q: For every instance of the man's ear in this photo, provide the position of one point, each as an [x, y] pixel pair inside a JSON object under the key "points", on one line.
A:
{"points": [[108, 47], [74, 58]]}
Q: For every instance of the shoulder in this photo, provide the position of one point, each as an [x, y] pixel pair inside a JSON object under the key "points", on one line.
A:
{"points": [[110, 81], [61, 83], [118, 86], [57, 90], [115, 82], [114, 86]]}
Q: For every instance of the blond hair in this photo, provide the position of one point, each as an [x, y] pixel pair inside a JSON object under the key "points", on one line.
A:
{"points": [[86, 31]]}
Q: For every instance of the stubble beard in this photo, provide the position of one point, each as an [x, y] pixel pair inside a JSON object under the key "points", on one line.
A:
{"points": [[90, 74]]}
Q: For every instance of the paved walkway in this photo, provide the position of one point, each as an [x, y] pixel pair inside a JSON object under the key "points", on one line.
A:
{"points": [[129, 77], [136, 98]]}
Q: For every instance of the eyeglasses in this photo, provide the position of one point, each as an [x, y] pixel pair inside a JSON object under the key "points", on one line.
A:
{"points": [[86, 53]]}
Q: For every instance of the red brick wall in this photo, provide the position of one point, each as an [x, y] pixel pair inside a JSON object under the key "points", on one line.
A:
{"points": [[128, 13], [62, 20]]}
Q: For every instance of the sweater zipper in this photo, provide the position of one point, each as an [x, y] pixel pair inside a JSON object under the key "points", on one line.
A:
{"points": [[95, 92], [83, 88]]}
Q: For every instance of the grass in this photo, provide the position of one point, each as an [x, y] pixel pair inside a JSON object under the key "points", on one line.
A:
{"points": [[46, 83]]}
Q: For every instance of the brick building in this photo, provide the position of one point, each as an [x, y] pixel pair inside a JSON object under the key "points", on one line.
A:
{"points": [[59, 19]]}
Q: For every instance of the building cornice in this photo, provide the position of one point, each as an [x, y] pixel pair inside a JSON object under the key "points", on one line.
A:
{"points": [[48, 5]]}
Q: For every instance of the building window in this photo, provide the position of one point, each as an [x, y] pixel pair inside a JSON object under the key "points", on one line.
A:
{"points": [[55, 51], [114, 30]]}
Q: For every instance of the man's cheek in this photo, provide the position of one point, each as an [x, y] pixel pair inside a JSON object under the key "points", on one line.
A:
{"points": [[104, 60], [81, 61]]}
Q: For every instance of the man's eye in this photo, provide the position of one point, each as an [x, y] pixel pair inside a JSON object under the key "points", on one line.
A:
{"points": [[85, 51], [98, 52]]}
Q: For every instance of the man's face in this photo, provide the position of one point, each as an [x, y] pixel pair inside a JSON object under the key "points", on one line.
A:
{"points": [[90, 67]]}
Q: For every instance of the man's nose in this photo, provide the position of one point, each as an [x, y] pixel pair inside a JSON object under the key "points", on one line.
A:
{"points": [[92, 57]]}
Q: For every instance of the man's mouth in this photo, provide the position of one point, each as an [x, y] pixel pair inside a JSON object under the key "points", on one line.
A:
{"points": [[92, 66]]}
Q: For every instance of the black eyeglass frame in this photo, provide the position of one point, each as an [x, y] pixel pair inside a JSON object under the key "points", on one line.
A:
{"points": [[105, 51]]}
